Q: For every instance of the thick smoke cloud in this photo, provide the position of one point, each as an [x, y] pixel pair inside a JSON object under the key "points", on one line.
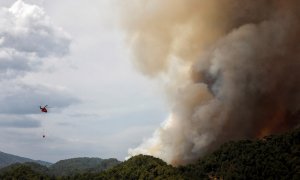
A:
{"points": [[231, 70]]}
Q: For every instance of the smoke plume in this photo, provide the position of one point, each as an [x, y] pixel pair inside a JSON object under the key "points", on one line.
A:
{"points": [[231, 70]]}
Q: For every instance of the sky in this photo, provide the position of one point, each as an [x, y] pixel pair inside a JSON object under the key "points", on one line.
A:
{"points": [[72, 56]]}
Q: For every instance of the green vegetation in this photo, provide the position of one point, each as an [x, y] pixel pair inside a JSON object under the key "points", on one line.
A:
{"points": [[8, 159], [65, 169], [141, 167], [81, 165], [273, 157], [26, 171]]}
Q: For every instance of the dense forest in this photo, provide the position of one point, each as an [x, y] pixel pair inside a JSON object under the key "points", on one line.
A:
{"points": [[63, 168], [81, 165], [272, 157], [8, 159]]}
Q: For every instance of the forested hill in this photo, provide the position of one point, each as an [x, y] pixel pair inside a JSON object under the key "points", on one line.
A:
{"points": [[273, 157], [8, 159], [80, 165], [63, 168], [139, 167]]}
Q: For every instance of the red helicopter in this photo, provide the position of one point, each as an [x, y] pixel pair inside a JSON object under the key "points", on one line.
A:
{"points": [[44, 109]]}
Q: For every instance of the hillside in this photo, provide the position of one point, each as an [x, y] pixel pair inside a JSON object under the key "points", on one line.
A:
{"points": [[141, 167], [25, 171], [81, 165], [61, 170], [273, 157], [8, 159]]}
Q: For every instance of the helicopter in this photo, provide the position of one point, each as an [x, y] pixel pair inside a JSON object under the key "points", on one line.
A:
{"points": [[44, 109]]}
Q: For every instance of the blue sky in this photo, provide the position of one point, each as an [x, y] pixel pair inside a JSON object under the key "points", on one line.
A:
{"points": [[72, 56]]}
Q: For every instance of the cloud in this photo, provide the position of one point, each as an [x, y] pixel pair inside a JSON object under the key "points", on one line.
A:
{"points": [[27, 36], [13, 121], [15, 64], [27, 39], [26, 99]]}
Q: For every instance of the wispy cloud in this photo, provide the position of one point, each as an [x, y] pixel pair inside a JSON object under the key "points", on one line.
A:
{"points": [[27, 35], [25, 99], [13, 121]]}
